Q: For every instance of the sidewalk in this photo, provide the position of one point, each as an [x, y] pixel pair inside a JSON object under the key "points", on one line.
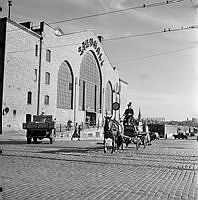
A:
{"points": [[13, 136], [85, 135]]}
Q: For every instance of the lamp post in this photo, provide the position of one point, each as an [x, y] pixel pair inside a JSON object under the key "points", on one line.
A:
{"points": [[9, 8]]}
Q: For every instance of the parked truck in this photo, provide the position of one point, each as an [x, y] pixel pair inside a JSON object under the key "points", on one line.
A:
{"points": [[41, 127], [180, 135]]}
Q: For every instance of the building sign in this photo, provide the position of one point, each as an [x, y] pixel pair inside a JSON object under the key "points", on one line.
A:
{"points": [[92, 43]]}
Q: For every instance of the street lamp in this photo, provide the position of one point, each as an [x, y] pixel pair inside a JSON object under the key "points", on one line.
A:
{"points": [[9, 5]]}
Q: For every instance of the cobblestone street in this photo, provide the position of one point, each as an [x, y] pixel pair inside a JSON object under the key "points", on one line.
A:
{"points": [[75, 170]]}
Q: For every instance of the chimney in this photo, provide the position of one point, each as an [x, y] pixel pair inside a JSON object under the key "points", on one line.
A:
{"points": [[100, 38]]}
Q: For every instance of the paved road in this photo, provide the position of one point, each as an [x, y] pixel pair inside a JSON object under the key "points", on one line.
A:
{"points": [[79, 170]]}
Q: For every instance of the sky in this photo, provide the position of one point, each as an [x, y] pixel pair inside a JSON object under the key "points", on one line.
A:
{"points": [[161, 69]]}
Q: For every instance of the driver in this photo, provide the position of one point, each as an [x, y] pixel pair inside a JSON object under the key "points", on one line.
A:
{"points": [[128, 114]]}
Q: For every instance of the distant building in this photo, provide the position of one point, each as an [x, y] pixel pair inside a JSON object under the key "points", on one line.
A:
{"points": [[43, 70], [164, 130], [194, 120], [154, 119]]}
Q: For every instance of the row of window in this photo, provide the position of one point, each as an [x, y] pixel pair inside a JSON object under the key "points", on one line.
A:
{"points": [[47, 77], [29, 98], [48, 53]]}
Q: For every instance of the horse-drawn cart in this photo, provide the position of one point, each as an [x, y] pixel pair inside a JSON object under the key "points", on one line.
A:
{"points": [[41, 127], [134, 134], [131, 131]]}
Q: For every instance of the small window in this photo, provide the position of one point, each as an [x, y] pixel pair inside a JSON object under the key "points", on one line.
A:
{"points": [[14, 112], [29, 98], [36, 50], [35, 74], [48, 55], [47, 78], [46, 100]]}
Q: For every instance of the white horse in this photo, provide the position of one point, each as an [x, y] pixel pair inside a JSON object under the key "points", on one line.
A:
{"points": [[113, 130]]}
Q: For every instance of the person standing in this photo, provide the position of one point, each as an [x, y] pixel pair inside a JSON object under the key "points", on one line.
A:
{"points": [[77, 130]]}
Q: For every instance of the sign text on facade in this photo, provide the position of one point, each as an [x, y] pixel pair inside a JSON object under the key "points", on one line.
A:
{"points": [[92, 43]]}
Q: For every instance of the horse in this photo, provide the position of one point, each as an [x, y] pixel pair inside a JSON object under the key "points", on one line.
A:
{"points": [[113, 130]]}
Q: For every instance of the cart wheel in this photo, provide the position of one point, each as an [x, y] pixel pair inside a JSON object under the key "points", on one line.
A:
{"points": [[127, 142], [137, 145], [29, 139], [144, 142]]}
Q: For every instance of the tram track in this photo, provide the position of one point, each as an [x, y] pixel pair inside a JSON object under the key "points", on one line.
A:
{"points": [[105, 160]]}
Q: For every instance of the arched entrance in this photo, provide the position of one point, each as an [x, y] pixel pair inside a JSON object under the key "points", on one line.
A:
{"points": [[65, 86], [90, 87]]}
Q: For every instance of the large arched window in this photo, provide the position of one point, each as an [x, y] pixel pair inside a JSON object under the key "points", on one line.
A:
{"points": [[108, 98], [90, 84], [65, 87]]}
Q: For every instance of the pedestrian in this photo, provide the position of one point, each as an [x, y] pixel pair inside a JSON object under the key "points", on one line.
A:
{"points": [[77, 130], [69, 124]]}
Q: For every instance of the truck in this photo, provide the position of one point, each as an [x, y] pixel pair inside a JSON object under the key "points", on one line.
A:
{"points": [[180, 135], [41, 127]]}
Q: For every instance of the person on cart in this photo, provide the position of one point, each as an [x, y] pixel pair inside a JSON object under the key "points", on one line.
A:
{"points": [[128, 115]]}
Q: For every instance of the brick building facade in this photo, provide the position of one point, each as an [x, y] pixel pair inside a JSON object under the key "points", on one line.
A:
{"points": [[46, 71]]}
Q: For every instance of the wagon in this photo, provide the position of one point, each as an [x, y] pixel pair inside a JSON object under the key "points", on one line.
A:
{"points": [[41, 127], [132, 134]]}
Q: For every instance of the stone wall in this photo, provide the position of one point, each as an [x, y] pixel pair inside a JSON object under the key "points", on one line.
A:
{"points": [[19, 75]]}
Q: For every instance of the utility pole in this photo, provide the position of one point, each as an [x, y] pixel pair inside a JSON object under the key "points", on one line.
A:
{"points": [[9, 8]]}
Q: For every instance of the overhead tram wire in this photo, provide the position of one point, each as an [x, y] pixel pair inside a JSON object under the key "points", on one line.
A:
{"points": [[151, 33], [154, 55], [119, 37], [156, 4]]}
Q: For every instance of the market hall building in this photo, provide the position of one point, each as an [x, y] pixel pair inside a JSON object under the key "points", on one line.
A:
{"points": [[44, 70]]}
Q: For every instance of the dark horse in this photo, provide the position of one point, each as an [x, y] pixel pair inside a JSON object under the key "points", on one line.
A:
{"points": [[114, 131]]}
